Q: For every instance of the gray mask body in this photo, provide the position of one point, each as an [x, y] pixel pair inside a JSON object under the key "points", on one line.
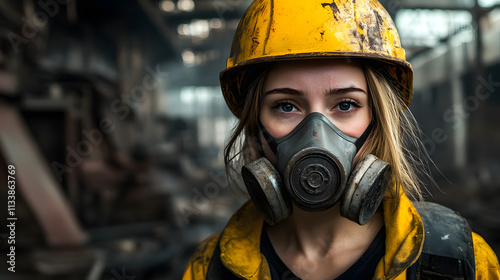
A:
{"points": [[315, 160], [314, 163]]}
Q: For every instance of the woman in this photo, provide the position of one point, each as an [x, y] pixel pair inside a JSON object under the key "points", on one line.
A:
{"points": [[321, 91]]}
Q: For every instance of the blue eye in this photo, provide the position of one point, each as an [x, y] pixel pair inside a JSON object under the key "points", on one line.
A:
{"points": [[345, 106], [285, 107]]}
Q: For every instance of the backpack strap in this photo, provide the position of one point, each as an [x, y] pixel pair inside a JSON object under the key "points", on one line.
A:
{"points": [[448, 251]]}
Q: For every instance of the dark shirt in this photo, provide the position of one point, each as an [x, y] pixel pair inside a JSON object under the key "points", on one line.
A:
{"points": [[364, 268]]}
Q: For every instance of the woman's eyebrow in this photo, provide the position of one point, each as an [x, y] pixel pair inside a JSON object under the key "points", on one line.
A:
{"points": [[333, 91], [345, 90], [284, 90]]}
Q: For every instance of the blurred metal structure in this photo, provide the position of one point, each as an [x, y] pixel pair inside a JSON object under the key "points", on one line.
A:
{"points": [[80, 83]]}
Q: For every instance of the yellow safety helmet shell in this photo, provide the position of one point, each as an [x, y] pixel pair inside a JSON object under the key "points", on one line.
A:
{"points": [[277, 30]]}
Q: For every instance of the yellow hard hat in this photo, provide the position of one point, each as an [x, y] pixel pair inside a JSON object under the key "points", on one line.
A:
{"points": [[277, 30]]}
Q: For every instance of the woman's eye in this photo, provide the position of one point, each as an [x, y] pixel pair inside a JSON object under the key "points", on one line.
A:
{"points": [[286, 107], [345, 106]]}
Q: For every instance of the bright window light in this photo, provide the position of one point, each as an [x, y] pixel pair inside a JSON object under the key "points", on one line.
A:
{"points": [[427, 27], [185, 5], [167, 6]]}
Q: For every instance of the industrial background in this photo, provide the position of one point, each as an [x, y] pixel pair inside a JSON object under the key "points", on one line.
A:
{"points": [[112, 126]]}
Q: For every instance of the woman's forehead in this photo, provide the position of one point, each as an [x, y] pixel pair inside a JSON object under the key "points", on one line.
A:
{"points": [[314, 69], [316, 63]]}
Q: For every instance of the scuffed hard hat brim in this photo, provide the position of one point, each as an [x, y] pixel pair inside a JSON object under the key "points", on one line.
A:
{"points": [[235, 91]]}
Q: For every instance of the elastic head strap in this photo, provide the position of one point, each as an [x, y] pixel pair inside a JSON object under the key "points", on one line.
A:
{"points": [[269, 139], [361, 140]]}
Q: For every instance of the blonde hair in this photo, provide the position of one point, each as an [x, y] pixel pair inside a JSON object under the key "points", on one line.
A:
{"points": [[393, 136]]}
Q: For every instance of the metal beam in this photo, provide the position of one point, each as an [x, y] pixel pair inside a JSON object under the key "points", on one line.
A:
{"points": [[36, 182], [156, 18]]}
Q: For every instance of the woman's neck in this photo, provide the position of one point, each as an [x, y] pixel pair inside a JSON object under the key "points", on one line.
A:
{"points": [[323, 236]]}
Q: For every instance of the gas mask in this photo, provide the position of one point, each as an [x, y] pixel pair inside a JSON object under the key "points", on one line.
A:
{"points": [[314, 163]]}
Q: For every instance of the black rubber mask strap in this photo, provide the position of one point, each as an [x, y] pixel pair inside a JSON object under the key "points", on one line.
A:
{"points": [[361, 140], [269, 139]]}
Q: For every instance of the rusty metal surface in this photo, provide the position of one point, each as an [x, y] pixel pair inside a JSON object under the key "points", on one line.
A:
{"points": [[36, 182]]}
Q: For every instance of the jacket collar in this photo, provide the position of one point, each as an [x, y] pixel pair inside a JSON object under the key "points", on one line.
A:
{"points": [[240, 244], [404, 235]]}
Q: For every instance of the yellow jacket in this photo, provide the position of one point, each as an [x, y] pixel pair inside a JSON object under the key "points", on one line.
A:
{"points": [[240, 245]]}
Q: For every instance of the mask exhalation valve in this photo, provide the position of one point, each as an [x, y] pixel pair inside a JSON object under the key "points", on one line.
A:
{"points": [[314, 180]]}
